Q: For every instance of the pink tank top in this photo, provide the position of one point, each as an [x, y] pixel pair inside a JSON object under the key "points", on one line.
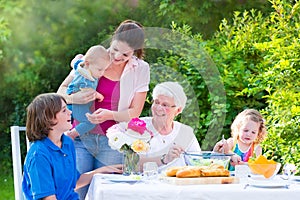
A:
{"points": [[111, 92]]}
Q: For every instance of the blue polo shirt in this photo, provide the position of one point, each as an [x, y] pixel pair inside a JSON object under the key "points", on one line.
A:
{"points": [[50, 170]]}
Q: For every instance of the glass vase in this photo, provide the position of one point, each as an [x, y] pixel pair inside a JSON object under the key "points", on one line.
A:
{"points": [[130, 163]]}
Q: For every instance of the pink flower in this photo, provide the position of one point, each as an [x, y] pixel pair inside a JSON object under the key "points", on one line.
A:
{"points": [[130, 136], [137, 125]]}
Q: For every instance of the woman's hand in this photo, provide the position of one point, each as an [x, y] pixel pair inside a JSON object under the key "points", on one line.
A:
{"points": [[83, 96], [173, 153], [100, 116]]}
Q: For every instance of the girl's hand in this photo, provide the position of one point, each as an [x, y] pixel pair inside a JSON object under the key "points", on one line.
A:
{"points": [[100, 116], [221, 146], [236, 160]]}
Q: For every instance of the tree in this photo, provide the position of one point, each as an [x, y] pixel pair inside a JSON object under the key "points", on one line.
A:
{"points": [[205, 15]]}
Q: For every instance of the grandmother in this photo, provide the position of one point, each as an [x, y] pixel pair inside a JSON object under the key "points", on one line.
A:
{"points": [[171, 138]]}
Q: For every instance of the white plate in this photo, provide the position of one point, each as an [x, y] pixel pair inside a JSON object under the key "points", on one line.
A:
{"points": [[120, 178], [260, 181], [296, 178], [269, 184], [256, 177]]}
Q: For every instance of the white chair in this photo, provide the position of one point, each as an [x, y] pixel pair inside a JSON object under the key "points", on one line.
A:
{"points": [[16, 156]]}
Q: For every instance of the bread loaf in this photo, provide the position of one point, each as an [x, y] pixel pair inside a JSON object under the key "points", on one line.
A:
{"points": [[216, 166], [188, 172], [171, 171], [214, 172]]}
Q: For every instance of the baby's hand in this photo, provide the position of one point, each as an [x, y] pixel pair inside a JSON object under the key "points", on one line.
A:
{"points": [[77, 57], [99, 96], [72, 133]]}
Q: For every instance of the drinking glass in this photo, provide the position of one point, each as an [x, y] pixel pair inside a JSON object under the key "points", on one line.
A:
{"points": [[289, 171], [150, 171]]}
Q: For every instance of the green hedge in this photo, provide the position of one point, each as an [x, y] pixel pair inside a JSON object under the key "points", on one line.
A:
{"points": [[251, 62], [258, 59]]}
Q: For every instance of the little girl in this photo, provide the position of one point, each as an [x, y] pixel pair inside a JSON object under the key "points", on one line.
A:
{"points": [[248, 131]]}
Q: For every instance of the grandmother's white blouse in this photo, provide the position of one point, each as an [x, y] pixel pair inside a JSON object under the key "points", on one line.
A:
{"points": [[159, 142]]}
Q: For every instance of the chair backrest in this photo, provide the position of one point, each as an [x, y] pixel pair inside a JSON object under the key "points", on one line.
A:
{"points": [[16, 156]]}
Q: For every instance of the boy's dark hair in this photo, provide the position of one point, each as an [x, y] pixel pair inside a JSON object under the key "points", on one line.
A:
{"points": [[41, 113]]}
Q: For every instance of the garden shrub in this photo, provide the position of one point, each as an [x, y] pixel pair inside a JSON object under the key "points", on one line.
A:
{"points": [[258, 60], [256, 57]]}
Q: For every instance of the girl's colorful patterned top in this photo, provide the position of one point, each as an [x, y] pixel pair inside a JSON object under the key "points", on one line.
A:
{"points": [[244, 155]]}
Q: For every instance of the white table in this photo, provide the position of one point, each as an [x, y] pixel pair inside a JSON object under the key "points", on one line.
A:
{"points": [[102, 189]]}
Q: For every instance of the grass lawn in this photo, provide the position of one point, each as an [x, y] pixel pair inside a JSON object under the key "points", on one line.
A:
{"points": [[7, 187]]}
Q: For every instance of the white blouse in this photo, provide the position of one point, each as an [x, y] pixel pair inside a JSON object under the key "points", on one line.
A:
{"points": [[159, 142]]}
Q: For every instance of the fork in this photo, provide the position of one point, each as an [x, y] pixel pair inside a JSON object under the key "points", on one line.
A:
{"points": [[223, 141]]}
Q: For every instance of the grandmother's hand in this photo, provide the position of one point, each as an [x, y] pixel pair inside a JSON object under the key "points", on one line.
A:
{"points": [[100, 115], [173, 153]]}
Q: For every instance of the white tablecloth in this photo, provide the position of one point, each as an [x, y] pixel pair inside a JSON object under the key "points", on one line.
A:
{"points": [[101, 189]]}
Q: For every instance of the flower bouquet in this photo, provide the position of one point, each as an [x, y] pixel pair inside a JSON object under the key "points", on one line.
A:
{"points": [[131, 139]]}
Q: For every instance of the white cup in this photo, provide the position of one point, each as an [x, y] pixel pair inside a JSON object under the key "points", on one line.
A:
{"points": [[242, 172]]}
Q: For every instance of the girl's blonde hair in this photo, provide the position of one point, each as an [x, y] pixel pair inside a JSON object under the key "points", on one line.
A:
{"points": [[253, 115]]}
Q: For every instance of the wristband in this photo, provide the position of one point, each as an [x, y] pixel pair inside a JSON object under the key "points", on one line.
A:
{"points": [[162, 159]]}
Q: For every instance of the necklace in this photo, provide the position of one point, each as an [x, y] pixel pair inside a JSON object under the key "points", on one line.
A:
{"points": [[163, 138]]}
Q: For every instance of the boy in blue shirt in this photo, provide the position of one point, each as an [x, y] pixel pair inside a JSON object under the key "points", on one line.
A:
{"points": [[50, 164]]}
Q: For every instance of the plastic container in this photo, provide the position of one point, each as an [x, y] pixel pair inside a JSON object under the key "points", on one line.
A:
{"points": [[206, 158], [267, 170]]}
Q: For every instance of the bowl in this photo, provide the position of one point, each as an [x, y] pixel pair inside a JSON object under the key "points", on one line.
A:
{"points": [[267, 170], [206, 158]]}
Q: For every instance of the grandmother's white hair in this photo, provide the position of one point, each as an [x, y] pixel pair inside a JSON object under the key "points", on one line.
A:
{"points": [[173, 90]]}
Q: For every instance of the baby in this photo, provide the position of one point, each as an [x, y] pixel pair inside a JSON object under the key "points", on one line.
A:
{"points": [[87, 72]]}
